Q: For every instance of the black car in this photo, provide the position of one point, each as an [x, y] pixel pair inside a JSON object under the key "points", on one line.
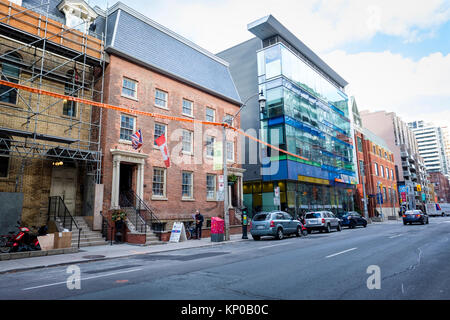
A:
{"points": [[352, 219]]}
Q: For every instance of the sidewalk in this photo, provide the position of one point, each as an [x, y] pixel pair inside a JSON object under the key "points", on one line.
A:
{"points": [[98, 253]]}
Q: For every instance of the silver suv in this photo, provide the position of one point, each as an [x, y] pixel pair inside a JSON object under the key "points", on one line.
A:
{"points": [[322, 220]]}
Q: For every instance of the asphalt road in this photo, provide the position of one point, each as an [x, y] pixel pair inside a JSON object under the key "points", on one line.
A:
{"points": [[413, 263]]}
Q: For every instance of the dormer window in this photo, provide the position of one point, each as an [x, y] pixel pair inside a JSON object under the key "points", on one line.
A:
{"points": [[79, 15]]}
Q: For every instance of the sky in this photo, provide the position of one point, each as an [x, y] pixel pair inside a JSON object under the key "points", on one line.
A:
{"points": [[395, 54]]}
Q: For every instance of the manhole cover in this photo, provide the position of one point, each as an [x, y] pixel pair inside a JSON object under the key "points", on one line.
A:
{"points": [[93, 257]]}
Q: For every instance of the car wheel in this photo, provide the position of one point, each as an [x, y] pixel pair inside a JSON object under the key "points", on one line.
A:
{"points": [[428, 221], [305, 233], [328, 229], [256, 238], [365, 225], [309, 231], [339, 228], [405, 223], [352, 225], [280, 234], [298, 233]]}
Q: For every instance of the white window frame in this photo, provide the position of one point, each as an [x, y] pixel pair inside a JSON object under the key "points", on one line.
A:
{"points": [[163, 196], [192, 108], [134, 97], [232, 153], [159, 99], [376, 169], [191, 197], [133, 130], [214, 198], [210, 146], [214, 114], [183, 141]]}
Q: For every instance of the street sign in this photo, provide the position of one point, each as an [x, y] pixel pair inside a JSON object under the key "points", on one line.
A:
{"points": [[218, 157]]}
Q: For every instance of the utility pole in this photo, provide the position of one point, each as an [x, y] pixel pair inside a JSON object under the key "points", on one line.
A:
{"points": [[363, 176], [225, 181]]}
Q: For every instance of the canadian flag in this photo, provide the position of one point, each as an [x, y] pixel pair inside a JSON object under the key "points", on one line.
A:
{"points": [[162, 144]]}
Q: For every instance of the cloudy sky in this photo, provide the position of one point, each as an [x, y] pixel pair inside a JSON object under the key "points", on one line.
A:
{"points": [[394, 53]]}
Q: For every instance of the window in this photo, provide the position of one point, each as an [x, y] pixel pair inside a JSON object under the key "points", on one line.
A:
{"points": [[210, 187], [376, 169], [159, 182], [374, 149], [361, 167], [11, 73], [228, 119], [129, 88], [392, 174], [160, 129], [187, 141], [360, 146], [230, 150], [385, 155], [4, 155], [385, 194], [188, 107], [387, 173], [127, 127], [71, 89], [210, 146], [161, 99], [382, 171], [187, 185], [210, 115]]}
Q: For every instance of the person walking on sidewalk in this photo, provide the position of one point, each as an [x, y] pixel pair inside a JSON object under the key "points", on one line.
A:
{"points": [[198, 224]]}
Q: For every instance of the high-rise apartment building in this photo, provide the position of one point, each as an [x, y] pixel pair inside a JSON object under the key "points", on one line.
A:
{"points": [[430, 141]]}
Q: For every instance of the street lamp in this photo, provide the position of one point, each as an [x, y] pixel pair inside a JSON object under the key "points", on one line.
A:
{"points": [[229, 121]]}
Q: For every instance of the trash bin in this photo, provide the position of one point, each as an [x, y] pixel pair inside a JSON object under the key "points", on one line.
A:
{"points": [[217, 229]]}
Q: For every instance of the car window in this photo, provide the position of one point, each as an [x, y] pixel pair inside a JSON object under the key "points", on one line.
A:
{"points": [[280, 216], [332, 215], [287, 216], [260, 217], [312, 215]]}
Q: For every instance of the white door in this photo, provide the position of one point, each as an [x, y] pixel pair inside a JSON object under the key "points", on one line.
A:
{"points": [[64, 184]]}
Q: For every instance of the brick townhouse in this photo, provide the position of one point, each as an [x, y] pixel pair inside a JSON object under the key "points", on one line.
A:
{"points": [[155, 70]]}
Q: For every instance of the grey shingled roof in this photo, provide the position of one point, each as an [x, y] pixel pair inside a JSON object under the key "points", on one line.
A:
{"points": [[144, 41]]}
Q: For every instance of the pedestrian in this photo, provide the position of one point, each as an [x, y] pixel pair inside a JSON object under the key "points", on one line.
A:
{"points": [[198, 224]]}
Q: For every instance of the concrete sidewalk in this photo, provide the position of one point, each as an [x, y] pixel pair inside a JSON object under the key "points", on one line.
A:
{"points": [[97, 253]]}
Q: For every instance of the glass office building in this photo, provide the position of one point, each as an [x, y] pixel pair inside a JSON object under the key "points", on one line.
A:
{"points": [[306, 114]]}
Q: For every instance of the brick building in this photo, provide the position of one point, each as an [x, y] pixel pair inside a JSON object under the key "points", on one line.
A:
{"points": [[376, 168], [441, 187], [156, 70]]}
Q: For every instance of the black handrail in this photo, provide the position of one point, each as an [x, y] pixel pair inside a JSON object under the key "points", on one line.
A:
{"points": [[148, 216], [105, 221], [58, 203], [126, 200]]}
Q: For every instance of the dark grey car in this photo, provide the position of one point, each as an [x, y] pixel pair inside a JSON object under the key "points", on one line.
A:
{"points": [[276, 224]]}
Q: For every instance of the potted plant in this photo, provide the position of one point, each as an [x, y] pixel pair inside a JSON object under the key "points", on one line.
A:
{"points": [[118, 217], [232, 179]]}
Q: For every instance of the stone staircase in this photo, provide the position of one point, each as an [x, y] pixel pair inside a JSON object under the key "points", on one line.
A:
{"points": [[151, 237], [87, 237]]}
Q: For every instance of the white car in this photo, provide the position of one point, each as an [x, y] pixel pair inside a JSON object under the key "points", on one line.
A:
{"points": [[322, 221]]}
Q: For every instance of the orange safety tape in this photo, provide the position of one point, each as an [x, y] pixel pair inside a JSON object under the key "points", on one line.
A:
{"points": [[138, 112]]}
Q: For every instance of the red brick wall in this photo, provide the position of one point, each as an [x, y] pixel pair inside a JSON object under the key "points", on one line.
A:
{"points": [[173, 208], [371, 179]]}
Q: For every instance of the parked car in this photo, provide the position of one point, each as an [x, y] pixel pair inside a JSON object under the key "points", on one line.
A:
{"points": [[352, 219], [322, 221], [276, 224], [415, 216]]}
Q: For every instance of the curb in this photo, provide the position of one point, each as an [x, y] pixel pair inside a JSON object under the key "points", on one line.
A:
{"points": [[117, 257]]}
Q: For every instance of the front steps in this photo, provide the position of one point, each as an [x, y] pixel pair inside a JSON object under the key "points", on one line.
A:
{"points": [[151, 237], [88, 237]]}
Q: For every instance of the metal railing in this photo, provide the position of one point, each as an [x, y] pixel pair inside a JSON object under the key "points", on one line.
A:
{"points": [[58, 209], [145, 215], [105, 226], [126, 201]]}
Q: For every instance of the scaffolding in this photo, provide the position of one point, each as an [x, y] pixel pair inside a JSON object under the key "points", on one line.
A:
{"points": [[39, 52]]}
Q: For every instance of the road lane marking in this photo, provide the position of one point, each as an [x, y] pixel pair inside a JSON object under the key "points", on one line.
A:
{"points": [[275, 245], [89, 278], [336, 254], [396, 236]]}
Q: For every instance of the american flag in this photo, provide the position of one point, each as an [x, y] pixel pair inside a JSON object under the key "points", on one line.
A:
{"points": [[136, 140]]}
